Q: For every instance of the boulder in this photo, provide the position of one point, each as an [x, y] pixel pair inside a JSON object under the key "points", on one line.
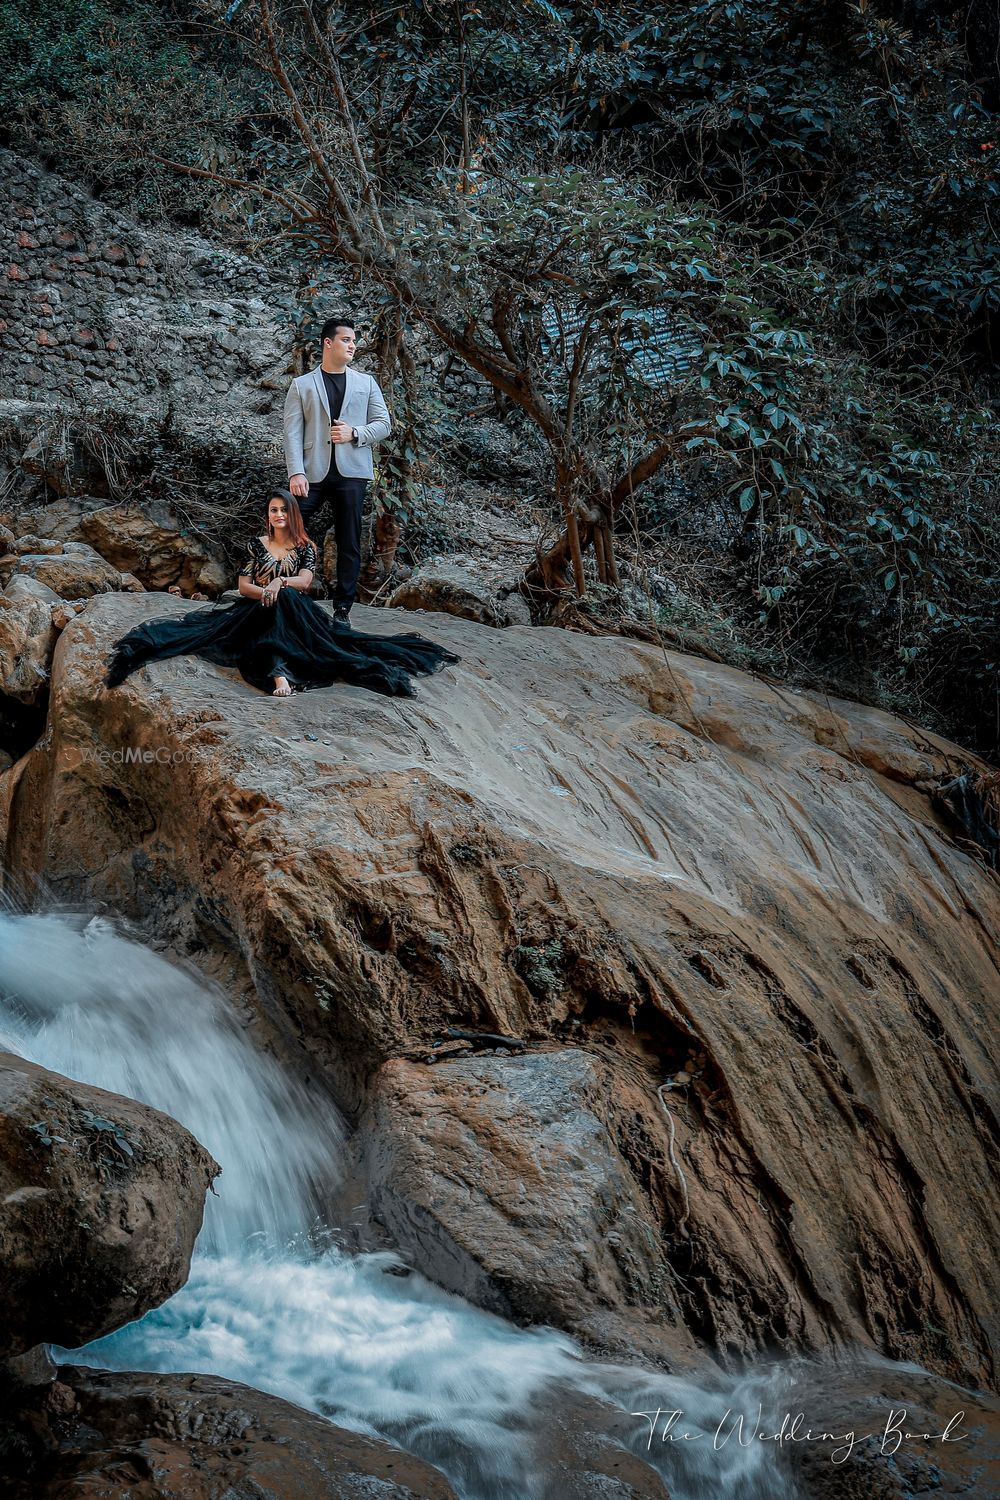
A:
{"points": [[56, 520], [102, 1202], [27, 638], [455, 586], [539, 1137], [66, 610], [155, 548], [149, 546], [97, 1435], [889, 1410], [36, 544], [75, 571], [736, 902]]}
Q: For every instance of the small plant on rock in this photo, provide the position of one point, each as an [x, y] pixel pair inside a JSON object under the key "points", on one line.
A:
{"points": [[540, 966], [107, 1145]]}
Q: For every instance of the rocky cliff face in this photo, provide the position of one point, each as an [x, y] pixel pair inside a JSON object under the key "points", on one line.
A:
{"points": [[752, 976]]}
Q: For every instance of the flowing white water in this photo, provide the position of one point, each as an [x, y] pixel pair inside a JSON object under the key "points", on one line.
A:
{"points": [[274, 1305]]}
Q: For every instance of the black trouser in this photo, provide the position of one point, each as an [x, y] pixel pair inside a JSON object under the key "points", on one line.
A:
{"points": [[346, 499]]}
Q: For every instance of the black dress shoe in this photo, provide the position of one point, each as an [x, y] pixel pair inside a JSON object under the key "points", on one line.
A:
{"points": [[342, 612]]}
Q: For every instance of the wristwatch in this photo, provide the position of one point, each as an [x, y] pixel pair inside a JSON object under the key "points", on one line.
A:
{"points": [[354, 434]]}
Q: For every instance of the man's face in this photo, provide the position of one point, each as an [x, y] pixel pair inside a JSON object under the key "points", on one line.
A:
{"points": [[342, 345]]}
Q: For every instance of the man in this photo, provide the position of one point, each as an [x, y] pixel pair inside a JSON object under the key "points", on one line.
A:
{"points": [[333, 418]]}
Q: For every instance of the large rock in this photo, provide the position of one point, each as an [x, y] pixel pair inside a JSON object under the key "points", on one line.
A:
{"points": [[94, 1435], [73, 570], [154, 548], [736, 900], [54, 520], [899, 1434], [537, 1137], [147, 543], [31, 543], [27, 638], [456, 586], [102, 1201]]}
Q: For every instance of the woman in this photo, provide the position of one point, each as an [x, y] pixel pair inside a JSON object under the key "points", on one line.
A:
{"points": [[279, 638]]}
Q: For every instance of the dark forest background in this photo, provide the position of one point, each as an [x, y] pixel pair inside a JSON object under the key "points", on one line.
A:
{"points": [[729, 271]]}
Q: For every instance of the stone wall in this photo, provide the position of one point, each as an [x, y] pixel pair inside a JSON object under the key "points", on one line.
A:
{"points": [[97, 310]]}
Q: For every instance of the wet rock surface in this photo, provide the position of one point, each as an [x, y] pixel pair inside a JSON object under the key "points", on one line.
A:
{"points": [[736, 903], [102, 1199], [898, 1435], [486, 1154], [100, 1436]]}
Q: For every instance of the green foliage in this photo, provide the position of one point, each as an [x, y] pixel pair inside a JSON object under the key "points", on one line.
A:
{"points": [[870, 144], [756, 233], [90, 82], [834, 490], [540, 966], [107, 1145]]}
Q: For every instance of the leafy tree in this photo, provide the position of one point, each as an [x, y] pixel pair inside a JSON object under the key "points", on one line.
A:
{"points": [[738, 240]]}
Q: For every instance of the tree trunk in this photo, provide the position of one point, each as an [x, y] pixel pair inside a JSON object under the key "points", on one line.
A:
{"points": [[608, 545], [381, 560], [547, 573], [602, 570]]}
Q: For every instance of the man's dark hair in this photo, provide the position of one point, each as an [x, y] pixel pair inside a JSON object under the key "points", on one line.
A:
{"points": [[329, 329]]}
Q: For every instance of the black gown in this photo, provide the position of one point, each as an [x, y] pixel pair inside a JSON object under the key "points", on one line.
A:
{"points": [[294, 638]]}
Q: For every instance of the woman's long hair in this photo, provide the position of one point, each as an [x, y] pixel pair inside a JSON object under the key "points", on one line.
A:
{"points": [[296, 525]]}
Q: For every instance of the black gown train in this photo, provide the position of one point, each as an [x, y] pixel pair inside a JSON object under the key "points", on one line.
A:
{"points": [[294, 638]]}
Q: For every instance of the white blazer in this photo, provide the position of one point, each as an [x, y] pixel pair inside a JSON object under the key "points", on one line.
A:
{"points": [[308, 449]]}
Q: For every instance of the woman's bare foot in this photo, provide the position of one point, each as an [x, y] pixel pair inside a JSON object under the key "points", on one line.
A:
{"points": [[281, 688]]}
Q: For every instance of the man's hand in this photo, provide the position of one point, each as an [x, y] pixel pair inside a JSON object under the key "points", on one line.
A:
{"points": [[340, 432], [299, 486]]}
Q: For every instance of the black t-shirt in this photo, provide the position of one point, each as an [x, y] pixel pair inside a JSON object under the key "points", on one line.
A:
{"points": [[336, 387]]}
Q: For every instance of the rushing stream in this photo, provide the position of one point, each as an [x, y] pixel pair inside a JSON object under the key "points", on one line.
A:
{"points": [[276, 1305]]}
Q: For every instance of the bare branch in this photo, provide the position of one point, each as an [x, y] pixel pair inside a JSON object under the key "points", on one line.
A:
{"points": [[336, 77], [309, 140], [301, 210], [640, 472]]}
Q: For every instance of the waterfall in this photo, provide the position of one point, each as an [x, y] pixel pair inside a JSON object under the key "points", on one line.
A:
{"points": [[273, 1300]]}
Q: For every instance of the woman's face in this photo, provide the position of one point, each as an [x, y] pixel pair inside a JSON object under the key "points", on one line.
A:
{"points": [[277, 514]]}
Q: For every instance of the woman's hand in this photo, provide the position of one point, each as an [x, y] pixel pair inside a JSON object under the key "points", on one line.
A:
{"points": [[271, 591]]}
